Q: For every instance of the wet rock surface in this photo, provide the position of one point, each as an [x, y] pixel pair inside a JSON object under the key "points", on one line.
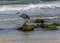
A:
{"points": [[27, 28], [40, 24], [52, 27]]}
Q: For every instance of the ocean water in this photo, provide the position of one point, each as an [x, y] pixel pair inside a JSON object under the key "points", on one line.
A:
{"points": [[10, 21]]}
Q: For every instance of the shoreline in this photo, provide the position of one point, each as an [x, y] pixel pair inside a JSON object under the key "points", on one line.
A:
{"points": [[30, 40]]}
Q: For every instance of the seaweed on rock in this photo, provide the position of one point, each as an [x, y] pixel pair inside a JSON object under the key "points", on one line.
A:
{"points": [[52, 27], [40, 25], [27, 28], [39, 21]]}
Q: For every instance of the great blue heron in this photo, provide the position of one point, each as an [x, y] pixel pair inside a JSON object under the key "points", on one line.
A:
{"points": [[24, 16]]}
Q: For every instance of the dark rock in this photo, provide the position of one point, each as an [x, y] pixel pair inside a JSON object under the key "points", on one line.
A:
{"points": [[39, 21], [27, 28], [52, 27], [41, 25], [57, 24]]}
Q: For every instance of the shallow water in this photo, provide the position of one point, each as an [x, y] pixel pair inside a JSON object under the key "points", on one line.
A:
{"points": [[9, 22], [30, 37]]}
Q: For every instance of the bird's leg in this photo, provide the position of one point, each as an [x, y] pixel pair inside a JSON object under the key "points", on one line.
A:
{"points": [[26, 20]]}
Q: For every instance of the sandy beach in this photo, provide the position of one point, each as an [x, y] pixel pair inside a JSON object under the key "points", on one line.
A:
{"points": [[29, 40]]}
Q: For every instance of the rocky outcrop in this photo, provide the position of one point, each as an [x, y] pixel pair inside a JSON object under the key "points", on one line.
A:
{"points": [[27, 28], [51, 27]]}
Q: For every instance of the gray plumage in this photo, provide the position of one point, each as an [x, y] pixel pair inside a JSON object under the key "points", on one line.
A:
{"points": [[23, 15]]}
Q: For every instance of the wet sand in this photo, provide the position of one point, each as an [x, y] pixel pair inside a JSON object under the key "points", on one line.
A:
{"points": [[29, 40], [33, 37]]}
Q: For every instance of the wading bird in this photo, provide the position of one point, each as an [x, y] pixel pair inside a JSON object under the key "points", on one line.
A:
{"points": [[24, 16]]}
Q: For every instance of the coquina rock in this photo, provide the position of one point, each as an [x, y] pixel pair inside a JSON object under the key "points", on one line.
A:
{"points": [[39, 21], [41, 25], [57, 24], [52, 27], [27, 28]]}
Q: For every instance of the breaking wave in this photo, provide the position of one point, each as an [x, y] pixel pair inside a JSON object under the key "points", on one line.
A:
{"points": [[50, 9]]}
